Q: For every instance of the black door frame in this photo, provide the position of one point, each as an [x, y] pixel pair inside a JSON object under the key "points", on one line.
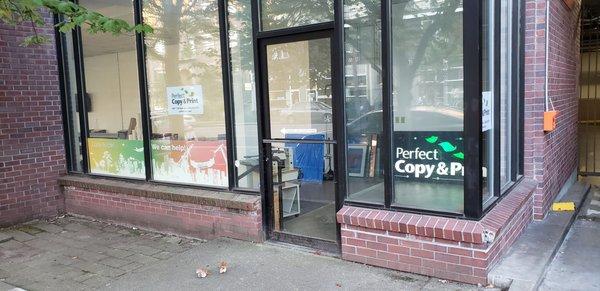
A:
{"points": [[318, 31]]}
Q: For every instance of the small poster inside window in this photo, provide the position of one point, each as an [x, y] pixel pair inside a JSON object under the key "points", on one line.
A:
{"points": [[486, 111], [185, 100]]}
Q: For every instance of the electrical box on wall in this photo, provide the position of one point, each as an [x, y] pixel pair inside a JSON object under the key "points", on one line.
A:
{"points": [[550, 120]]}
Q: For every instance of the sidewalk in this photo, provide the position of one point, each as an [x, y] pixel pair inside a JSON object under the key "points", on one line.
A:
{"points": [[577, 263], [561, 252], [78, 254], [524, 265]]}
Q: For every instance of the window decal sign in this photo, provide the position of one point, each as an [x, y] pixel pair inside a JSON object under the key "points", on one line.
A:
{"points": [[185, 100], [486, 111], [190, 162], [428, 156], [116, 157]]}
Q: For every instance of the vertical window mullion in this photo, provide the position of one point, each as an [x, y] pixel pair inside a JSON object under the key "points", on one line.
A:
{"points": [[516, 93], [338, 61], [81, 102], [386, 65], [497, 97], [144, 105], [472, 120], [227, 95], [62, 58], [255, 6]]}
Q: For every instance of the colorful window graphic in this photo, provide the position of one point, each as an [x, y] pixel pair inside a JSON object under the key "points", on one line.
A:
{"points": [[190, 162], [116, 157]]}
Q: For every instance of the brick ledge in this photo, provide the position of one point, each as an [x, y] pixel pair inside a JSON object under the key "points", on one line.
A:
{"points": [[163, 192], [479, 232]]}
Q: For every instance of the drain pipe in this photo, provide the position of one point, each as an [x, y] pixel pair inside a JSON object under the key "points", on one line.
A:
{"points": [[547, 54]]}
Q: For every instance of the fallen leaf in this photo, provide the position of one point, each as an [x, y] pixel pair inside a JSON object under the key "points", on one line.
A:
{"points": [[222, 267], [202, 272]]}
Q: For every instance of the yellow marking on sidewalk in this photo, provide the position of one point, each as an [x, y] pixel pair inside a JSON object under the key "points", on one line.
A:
{"points": [[563, 206]]}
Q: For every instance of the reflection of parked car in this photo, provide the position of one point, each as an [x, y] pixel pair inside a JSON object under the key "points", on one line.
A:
{"points": [[355, 106], [420, 118], [318, 111]]}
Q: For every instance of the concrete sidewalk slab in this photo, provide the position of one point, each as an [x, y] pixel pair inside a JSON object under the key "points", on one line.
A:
{"points": [[270, 267], [72, 253], [527, 259], [577, 262], [7, 287]]}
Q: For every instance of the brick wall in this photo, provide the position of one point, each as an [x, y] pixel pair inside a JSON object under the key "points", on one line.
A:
{"points": [[236, 217], [446, 248], [550, 158], [31, 137]]}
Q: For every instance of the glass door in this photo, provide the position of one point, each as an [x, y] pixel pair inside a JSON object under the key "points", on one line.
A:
{"points": [[299, 139]]}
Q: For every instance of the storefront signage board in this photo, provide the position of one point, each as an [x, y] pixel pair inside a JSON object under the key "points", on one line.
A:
{"points": [[428, 156]]}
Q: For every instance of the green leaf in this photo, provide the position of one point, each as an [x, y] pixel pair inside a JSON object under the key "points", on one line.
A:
{"points": [[447, 147], [431, 139], [459, 155]]}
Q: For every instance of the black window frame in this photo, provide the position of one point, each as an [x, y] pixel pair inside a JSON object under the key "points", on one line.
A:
{"points": [[137, 6], [474, 208], [472, 64]]}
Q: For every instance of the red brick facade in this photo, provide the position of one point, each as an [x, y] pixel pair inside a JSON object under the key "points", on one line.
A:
{"points": [[193, 212], [453, 249], [550, 158], [32, 158], [31, 137]]}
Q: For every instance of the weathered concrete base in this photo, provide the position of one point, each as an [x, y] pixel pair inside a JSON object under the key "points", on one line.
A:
{"points": [[577, 262], [527, 260]]}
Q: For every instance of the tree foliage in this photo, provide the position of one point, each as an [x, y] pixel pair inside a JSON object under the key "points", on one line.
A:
{"points": [[15, 12]]}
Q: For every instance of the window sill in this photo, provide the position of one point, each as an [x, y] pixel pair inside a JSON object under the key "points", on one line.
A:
{"points": [[164, 192]]}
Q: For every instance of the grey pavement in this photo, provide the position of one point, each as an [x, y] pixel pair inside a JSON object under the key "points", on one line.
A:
{"points": [[528, 258], [79, 254], [576, 265]]}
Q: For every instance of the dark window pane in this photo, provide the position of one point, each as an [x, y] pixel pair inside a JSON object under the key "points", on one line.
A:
{"points": [[70, 87]]}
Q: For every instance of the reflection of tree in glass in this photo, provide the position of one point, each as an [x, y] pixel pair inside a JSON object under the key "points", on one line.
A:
{"points": [[185, 48], [427, 50], [278, 14], [426, 36]]}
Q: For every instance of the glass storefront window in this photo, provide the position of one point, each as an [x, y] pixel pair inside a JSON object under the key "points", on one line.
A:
{"points": [[506, 89], [185, 91], [115, 145], [363, 100], [72, 114], [427, 73], [299, 87], [244, 94], [487, 99], [278, 14]]}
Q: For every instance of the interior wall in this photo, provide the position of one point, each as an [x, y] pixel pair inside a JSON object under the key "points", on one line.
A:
{"points": [[114, 91]]}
